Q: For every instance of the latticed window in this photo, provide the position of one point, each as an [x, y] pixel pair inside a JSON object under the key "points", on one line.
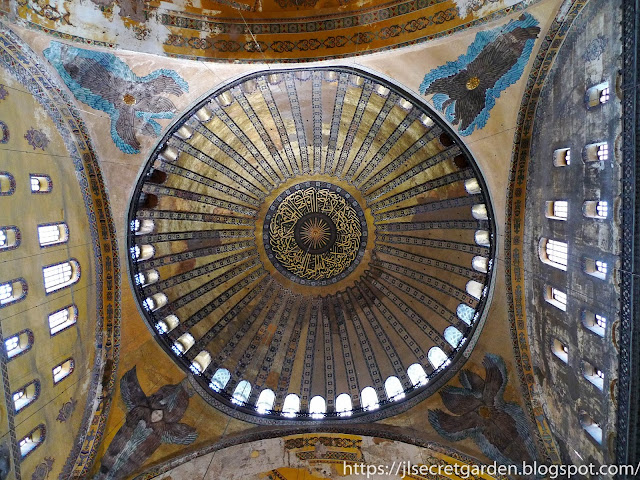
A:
{"points": [[60, 275], [62, 319], [602, 209], [12, 291], [369, 399], [557, 298], [437, 358], [26, 395], [63, 370], [560, 209], [12, 346], [241, 393], [220, 379], [317, 407], [554, 253], [18, 343], [603, 151], [3, 237], [465, 313], [40, 183], [265, 401], [417, 375], [6, 293], [291, 405], [453, 336], [601, 267], [32, 441], [604, 95], [393, 388], [600, 321], [52, 234]]}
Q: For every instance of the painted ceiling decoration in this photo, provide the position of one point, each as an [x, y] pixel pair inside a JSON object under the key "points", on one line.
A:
{"points": [[248, 30], [302, 234], [466, 90]]}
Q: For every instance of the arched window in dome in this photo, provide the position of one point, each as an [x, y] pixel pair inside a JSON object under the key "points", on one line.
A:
{"points": [[557, 210], [40, 183], [26, 395], [291, 405], [155, 301], [60, 275], [393, 388], [265, 401], [554, 253], [52, 234], [201, 362], [183, 343], [596, 152], [591, 427], [62, 319], [596, 268], [9, 238], [597, 209], [63, 370], [7, 183], [317, 407], [480, 264], [18, 343], [562, 157], [437, 358], [369, 399], [147, 278], [343, 405], [12, 292], [483, 238], [167, 324], [33, 440], [417, 375], [479, 212], [453, 336], [465, 313], [597, 95], [142, 252], [241, 393], [142, 226], [472, 186], [475, 288], [220, 379]]}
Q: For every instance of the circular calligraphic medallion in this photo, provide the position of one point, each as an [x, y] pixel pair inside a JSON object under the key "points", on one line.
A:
{"points": [[315, 233]]}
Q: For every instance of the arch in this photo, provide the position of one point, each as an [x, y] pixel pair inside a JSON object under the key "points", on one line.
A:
{"points": [[155, 301], [220, 379], [465, 313], [62, 370], [167, 324], [18, 344], [147, 278], [557, 210], [598, 209], [52, 234], [479, 211], [60, 275], [265, 402], [472, 186], [556, 297], [596, 152], [369, 399], [562, 157], [183, 343], [62, 319], [12, 292], [291, 405], [40, 183], [9, 238], [393, 388], [453, 336], [201, 362], [437, 358], [317, 407], [483, 238], [417, 375], [475, 288], [26, 395], [343, 405], [480, 264], [32, 440], [554, 253], [241, 393], [7, 183]]}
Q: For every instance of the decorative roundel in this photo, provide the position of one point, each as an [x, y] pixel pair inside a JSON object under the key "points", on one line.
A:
{"points": [[315, 233], [310, 245]]}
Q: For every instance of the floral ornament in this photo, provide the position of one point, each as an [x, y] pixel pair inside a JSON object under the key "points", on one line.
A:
{"points": [[67, 410], [106, 83], [42, 470], [4, 131], [479, 411], [466, 90], [4, 93], [37, 138]]}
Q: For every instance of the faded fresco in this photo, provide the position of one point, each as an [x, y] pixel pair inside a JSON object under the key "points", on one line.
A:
{"points": [[150, 421], [479, 411], [106, 83], [467, 89]]}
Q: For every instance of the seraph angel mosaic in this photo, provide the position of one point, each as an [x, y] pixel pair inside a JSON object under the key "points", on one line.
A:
{"points": [[466, 90], [479, 411], [106, 83], [150, 421]]}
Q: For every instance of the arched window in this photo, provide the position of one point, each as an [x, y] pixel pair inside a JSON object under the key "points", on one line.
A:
{"points": [[562, 157], [62, 319], [343, 405], [426, 120], [556, 297], [7, 183], [265, 401], [32, 441], [483, 238], [201, 362], [560, 350], [393, 388], [147, 278], [472, 186], [596, 152], [60, 275], [480, 264], [591, 427], [9, 238], [597, 209], [465, 313], [26, 395], [53, 234], [475, 288], [62, 370], [142, 227], [241, 393], [417, 375], [479, 212], [220, 379], [595, 322], [317, 407], [554, 253], [593, 374], [170, 154], [437, 358], [557, 210], [142, 252], [596, 268], [203, 115], [597, 95], [183, 343], [19, 343], [155, 301], [453, 336], [12, 292], [291, 405], [185, 132], [167, 324], [40, 183], [369, 399]]}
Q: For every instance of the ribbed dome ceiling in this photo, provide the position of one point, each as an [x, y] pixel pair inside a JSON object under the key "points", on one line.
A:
{"points": [[312, 232]]}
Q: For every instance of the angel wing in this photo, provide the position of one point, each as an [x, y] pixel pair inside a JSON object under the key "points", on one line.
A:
{"points": [[132, 394], [179, 433]]}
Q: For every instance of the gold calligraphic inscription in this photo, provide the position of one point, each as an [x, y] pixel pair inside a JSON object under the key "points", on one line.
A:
{"points": [[315, 233]]}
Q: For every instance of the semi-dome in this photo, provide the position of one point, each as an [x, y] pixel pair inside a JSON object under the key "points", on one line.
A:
{"points": [[312, 244]]}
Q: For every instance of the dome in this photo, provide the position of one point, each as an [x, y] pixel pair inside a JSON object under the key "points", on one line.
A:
{"points": [[303, 234]]}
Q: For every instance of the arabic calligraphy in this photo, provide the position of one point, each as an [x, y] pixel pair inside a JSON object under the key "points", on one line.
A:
{"points": [[315, 233]]}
